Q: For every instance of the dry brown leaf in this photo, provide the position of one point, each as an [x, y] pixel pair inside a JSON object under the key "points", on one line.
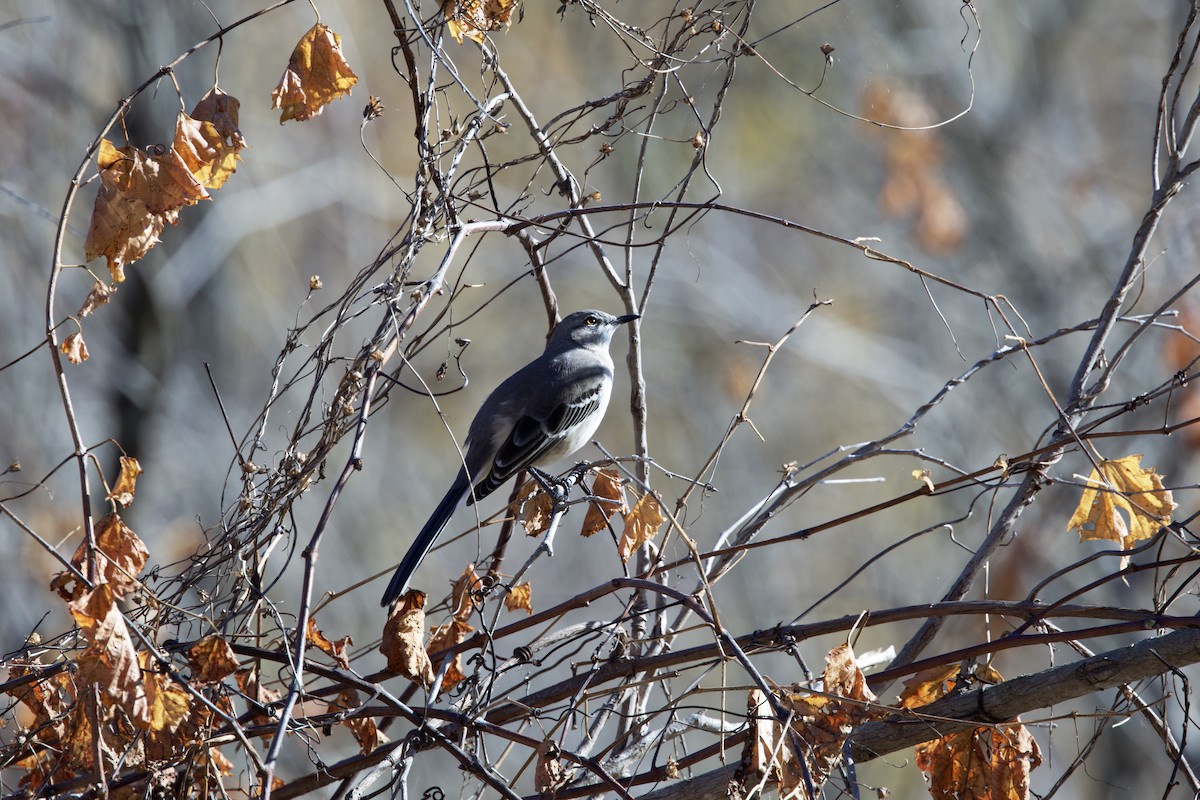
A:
{"points": [[1124, 486], [169, 704], [316, 75], [123, 492], [249, 681], [822, 722], [520, 597], [98, 296], [535, 507], [443, 637], [404, 640], [204, 151], [606, 487], [74, 348], [111, 659], [928, 685], [982, 764], [217, 118], [139, 195], [474, 18], [461, 593], [641, 524], [212, 660], [366, 733], [338, 651], [121, 555], [549, 775]]}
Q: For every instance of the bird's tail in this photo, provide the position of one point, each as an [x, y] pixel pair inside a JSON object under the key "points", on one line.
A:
{"points": [[425, 539]]}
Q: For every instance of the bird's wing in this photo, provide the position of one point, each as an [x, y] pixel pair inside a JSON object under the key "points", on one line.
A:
{"points": [[534, 435]]}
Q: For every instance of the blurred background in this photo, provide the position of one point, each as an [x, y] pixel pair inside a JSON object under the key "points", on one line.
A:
{"points": [[1034, 194]]}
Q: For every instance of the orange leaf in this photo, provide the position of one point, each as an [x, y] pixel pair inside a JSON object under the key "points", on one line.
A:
{"points": [[404, 640], [928, 685], [123, 492], [520, 597], [641, 525], [169, 705], [212, 660], [74, 348], [316, 75], [606, 487], [335, 650]]}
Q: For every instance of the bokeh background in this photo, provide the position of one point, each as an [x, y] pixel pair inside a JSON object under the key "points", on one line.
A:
{"points": [[1034, 193]]}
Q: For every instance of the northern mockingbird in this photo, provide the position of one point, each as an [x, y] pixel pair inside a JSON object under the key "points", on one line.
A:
{"points": [[545, 411]]}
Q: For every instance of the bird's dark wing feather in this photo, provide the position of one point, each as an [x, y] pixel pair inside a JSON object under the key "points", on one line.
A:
{"points": [[531, 438]]}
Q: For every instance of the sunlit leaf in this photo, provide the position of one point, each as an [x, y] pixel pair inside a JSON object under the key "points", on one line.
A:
{"points": [[404, 640], [316, 75], [606, 487]]}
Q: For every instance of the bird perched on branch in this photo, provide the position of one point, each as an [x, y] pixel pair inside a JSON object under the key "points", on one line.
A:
{"points": [[545, 411]]}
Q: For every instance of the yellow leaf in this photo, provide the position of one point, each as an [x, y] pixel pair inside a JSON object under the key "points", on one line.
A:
{"points": [[641, 525], [217, 114], [610, 499], [316, 75], [1119, 489], [520, 597]]}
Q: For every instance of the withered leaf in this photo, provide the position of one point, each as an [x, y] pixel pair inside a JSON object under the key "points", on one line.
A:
{"points": [[121, 554], [366, 733], [461, 594], [474, 18], [981, 764], [212, 660], [535, 507], [520, 597], [74, 348], [549, 775], [404, 640], [168, 704], [338, 651], [123, 492], [139, 195], [111, 659], [606, 487], [1117, 489], [443, 637], [98, 296], [641, 524], [224, 138], [316, 75]]}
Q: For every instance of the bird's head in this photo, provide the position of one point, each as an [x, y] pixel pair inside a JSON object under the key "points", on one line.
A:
{"points": [[589, 328]]}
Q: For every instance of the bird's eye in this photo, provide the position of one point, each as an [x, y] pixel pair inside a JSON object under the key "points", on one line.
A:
{"points": [[591, 321]]}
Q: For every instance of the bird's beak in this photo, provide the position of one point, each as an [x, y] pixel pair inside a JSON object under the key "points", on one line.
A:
{"points": [[627, 318]]}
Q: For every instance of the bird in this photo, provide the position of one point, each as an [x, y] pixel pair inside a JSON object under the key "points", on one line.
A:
{"points": [[541, 413]]}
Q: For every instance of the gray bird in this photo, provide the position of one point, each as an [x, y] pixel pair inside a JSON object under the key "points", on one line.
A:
{"points": [[543, 412]]}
